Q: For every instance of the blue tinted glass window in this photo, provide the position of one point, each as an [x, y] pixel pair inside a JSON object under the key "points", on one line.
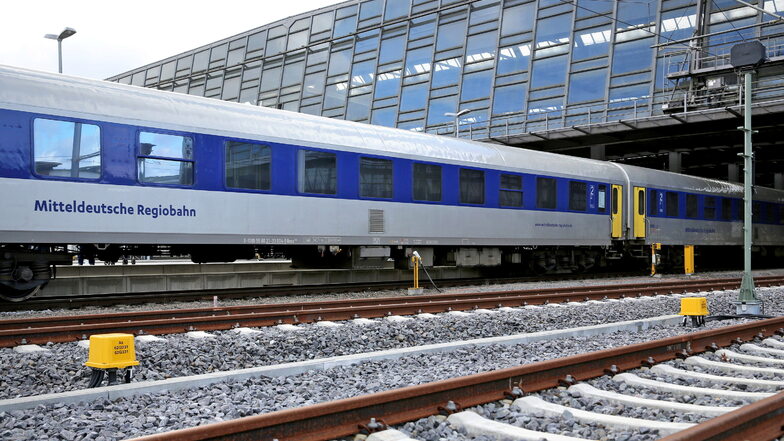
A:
{"points": [[518, 19], [678, 24], [345, 26], [366, 42], [387, 84], [446, 72], [553, 31], [476, 85], [587, 86], [481, 47], [513, 58], [451, 35], [587, 8], [548, 72], [418, 61], [335, 95], [339, 62], [358, 108], [623, 96], [509, 99], [552, 107], [591, 43], [439, 107], [68, 149], [423, 27], [632, 56], [314, 85], [731, 37], [370, 9], [384, 117], [396, 9], [391, 49], [362, 74], [635, 13], [413, 97], [483, 15], [292, 73]]}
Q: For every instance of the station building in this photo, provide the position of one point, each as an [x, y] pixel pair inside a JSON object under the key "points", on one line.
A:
{"points": [[647, 82]]}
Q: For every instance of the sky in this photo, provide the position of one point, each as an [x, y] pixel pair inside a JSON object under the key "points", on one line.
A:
{"points": [[115, 37]]}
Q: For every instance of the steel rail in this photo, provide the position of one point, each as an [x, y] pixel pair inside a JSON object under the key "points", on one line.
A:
{"points": [[345, 417], [25, 331]]}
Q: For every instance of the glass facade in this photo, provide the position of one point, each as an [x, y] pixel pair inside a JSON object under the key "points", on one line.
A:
{"points": [[539, 64]]}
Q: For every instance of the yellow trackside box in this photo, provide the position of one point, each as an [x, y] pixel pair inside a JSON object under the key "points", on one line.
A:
{"points": [[694, 306], [112, 351]]}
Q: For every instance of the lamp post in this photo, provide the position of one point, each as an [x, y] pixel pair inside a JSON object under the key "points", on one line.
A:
{"points": [[457, 119], [67, 32]]}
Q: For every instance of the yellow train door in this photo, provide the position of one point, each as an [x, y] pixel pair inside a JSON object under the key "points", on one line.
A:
{"points": [[616, 212], [639, 212]]}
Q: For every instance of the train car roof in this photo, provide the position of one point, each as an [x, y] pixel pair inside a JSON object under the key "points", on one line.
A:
{"points": [[57, 94]]}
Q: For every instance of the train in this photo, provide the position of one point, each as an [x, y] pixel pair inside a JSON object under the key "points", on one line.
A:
{"points": [[124, 170]]}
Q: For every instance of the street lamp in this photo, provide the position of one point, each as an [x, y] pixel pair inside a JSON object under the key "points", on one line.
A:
{"points": [[67, 32], [457, 119]]}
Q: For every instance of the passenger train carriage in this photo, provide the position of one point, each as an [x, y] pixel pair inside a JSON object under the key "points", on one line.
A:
{"points": [[139, 171]]}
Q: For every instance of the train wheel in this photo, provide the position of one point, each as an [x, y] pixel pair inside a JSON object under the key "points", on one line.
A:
{"points": [[17, 295]]}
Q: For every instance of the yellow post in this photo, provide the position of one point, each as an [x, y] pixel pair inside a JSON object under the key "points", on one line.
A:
{"points": [[415, 260], [688, 259], [654, 247]]}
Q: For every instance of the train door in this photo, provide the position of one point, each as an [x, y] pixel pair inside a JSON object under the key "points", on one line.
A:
{"points": [[639, 212], [616, 211]]}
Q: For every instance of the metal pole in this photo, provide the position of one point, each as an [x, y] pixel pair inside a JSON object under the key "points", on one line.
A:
{"points": [[747, 303], [457, 127], [60, 55]]}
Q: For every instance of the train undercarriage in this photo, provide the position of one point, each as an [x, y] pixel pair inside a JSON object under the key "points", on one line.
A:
{"points": [[26, 269]]}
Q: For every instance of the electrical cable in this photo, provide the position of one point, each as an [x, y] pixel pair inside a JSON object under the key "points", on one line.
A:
{"points": [[430, 279]]}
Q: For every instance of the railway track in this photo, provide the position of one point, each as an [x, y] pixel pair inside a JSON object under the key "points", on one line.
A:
{"points": [[14, 332], [759, 421]]}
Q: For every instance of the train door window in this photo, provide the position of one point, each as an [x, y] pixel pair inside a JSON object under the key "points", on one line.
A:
{"points": [[710, 207], [653, 206], [511, 191], [726, 209], [67, 149], [247, 165], [472, 186], [317, 172], [427, 182], [375, 178], [615, 201], [691, 206], [641, 203], [165, 159], [602, 202], [546, 193], [672, 204], [578, 196]]}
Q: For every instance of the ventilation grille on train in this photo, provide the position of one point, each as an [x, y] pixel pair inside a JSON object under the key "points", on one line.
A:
{"points": [[375, 221]]}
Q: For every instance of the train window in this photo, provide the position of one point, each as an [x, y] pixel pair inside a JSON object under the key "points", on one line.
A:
{"points": [[472, 186], [427, 182], [691, 206], [602, 202], [511, 191], [616, 209], [578, 195], [653, 199], [247, 165], [545, 193], [641, 203], [726, 209], [375, 178], [672, 204], [67, 149], [165, 159], [317, 172], [710, 207]]}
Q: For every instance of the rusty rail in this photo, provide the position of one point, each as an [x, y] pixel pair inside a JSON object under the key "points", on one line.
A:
{"points": [[70, 328], [345, 417]]}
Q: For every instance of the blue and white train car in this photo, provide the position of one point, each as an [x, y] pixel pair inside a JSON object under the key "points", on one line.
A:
{"points": [[93, 162]]}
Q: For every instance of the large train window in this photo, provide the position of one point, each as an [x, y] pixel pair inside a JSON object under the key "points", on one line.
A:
{"points": [[691, 206], [317, 172], [165, 159], [578, 195], [545, 193], [472, 186], [511, 191], [248, 165], [653, 202], [66, 149], [427, 182], [710, 207], [375, 178], [672, 204], [602, 201], [726, 209]]}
